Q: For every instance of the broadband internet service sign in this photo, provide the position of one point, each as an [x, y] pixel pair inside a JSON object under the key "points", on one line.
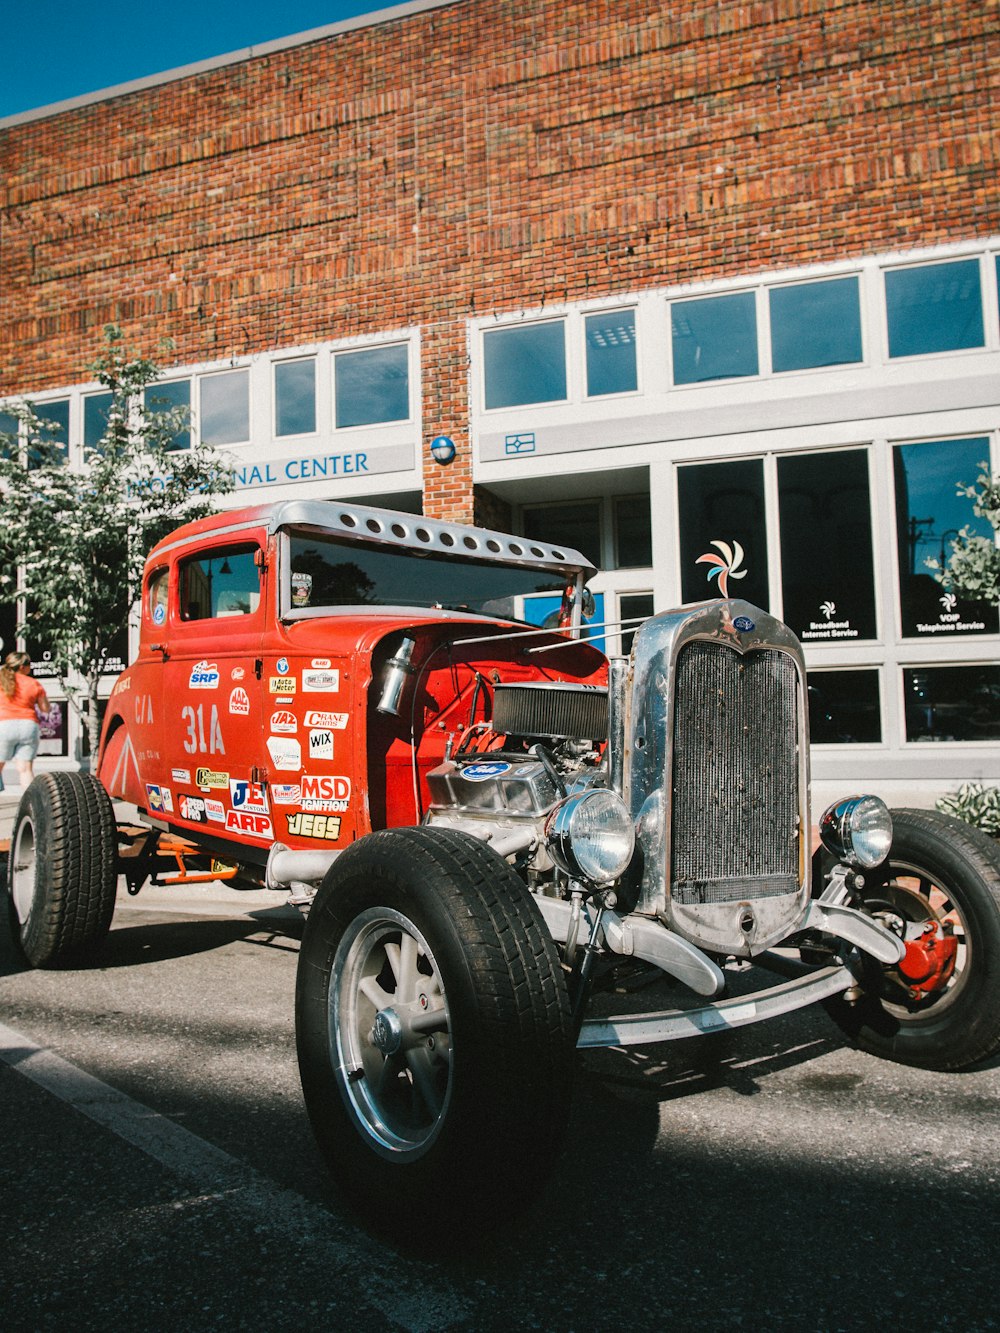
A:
{"points": [[324, 467]]}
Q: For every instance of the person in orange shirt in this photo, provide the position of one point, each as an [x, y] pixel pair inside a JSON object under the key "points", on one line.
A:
{"points": [[20, 698]]}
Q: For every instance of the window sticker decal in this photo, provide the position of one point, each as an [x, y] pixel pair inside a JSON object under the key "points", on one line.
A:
{"points": [[725, 566]]}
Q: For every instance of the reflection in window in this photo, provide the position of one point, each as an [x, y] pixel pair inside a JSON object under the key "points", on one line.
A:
{"points": [[723, 535], [524, 365], [171, 396], [156, 596], [844, 707], [929, 513], [575, 526], [611, 364], [96, 407], [633, 532], [936, 308], [815, 324], [957, 703], [9, 426], [225, 407], [223, 583], [372, 386], [631, 605], [827, 573], [54, 417], [714, 338], [295, 397]]}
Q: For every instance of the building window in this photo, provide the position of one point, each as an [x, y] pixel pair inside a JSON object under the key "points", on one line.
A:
{"points": [[54, 417], [929, 513], [170, 396], [633, 533], [611, 365], [372, 386], [714, 338], [815, 324], [225, 583], [953, 703], [295, 397], [631, 605], [723, 531], [224, 415], [574, 525], [827, 572], [934, 308], [96, 408], [526, 364], [844, 707]]}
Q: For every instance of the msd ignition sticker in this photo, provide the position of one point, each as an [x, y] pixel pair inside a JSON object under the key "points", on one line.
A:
{"points": [[248, 796], [315, 718], [321, 744], [160, 799], [327, 792], [285, 752], [239, 702], [284, 721], [483, 772], [204, 676], [285, 793], [320, 680]]}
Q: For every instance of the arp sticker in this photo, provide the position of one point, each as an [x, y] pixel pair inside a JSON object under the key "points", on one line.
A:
{"points": [[204, 676], [324, 827], [239, 702], [321, 744], [285, 752], [284, 722], [243, 821], [248, 796], [320, 681], [484, 771], [317, 718]]}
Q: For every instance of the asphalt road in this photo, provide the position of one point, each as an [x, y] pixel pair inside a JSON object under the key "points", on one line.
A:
{"points": [[158, 1169]]}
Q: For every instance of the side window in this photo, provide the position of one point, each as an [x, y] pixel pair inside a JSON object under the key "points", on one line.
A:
{"points": [[220, 583], [156, 596]]}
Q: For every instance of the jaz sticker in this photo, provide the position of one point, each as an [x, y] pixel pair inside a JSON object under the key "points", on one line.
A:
{"points": [[285, 793], [321, 744], [284, 722], [239, 702], [248, 796], [282, 684], [204, 676], [285, 752], [243, 821], [317, 718], [281, 666], [160, 799], [320, 681], [324, 827], [483, 772]]}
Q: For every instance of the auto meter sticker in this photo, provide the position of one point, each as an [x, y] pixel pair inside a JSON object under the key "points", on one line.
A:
{"points": [[324, 827], [317, 680], [180, 775], [242, 821], [285, 752], [282, 685], [317, 718], [285, 793], [210, 777], [193, 809], [160, 799], [281, 666], [329, 791], [283, 721], [483, 772], [248, 796], [215, 810], [321, 744], [204, 676], [239, 702]]}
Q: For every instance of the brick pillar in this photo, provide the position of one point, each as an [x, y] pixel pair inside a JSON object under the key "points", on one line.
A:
{"points": [[448, 490]]}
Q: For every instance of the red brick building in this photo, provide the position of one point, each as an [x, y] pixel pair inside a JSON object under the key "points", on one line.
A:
{"points": [[666, 274]]}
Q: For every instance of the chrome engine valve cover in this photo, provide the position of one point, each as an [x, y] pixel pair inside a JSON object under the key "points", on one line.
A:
{"points": [[492, 786]]}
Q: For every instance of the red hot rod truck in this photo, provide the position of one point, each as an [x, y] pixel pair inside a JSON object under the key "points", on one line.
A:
{"points": [[493, 826]]}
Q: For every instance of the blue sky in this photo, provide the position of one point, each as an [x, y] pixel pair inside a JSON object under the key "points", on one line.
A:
{"points": [[55, 49]]}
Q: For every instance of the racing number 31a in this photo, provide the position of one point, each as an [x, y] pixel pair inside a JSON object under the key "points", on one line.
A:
{"points": [[195, 740]]}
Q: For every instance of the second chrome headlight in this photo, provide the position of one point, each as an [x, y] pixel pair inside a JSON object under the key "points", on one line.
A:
{"points": [[590, 836]]}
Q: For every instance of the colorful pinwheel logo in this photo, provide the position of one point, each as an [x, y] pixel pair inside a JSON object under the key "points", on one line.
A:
{"points": [[725, 566]]}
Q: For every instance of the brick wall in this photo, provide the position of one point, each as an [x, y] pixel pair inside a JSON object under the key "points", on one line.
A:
{"points": [[488, 156]]}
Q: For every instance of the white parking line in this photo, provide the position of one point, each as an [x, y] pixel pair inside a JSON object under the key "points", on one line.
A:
{"points": [[406, 1297]]}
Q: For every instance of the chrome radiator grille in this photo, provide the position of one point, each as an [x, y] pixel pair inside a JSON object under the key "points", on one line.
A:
{"points": [[735, 827]]}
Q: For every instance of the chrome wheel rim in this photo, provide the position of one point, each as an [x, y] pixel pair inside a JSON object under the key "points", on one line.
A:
{"points": [[915, 894], [22, 870]]}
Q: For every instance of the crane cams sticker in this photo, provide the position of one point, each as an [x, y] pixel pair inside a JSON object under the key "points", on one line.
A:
{"points": [[316, 718]]}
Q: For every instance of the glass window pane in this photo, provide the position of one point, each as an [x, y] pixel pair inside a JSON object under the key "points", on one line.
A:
{"points": [[9, 425], [714, 338], [225, 407], [844, 707], [225, 583], [723, 534], [96, 407], [631, 605], [372, 386], [54, 417], [525, 365], [937, 308], [956, 703], [633, 533], [295, 397], [929, 513], [815, 324], [825, 519], [611, 353], [159, 398], [577, 526]]}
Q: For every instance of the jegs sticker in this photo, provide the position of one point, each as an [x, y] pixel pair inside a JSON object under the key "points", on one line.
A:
{"points": [[320, 681], [324, 827], [285, 752], [316, 718], [321, 744], [204, 676], [239, 702]]}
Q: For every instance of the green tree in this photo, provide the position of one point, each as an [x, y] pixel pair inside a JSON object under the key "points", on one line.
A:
{"points": [[973, 567], [73, 542]]}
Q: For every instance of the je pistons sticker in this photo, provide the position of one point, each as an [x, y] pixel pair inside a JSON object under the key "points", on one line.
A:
{"points": [[248, 796], [483, 772], [204, 676]]}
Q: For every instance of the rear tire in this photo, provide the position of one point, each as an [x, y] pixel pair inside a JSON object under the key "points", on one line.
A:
{"points": [[938, 869], [62, 869], [435, 1043]]}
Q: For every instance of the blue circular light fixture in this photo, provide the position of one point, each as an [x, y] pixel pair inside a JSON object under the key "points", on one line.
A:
{"points": [[443, 449]]}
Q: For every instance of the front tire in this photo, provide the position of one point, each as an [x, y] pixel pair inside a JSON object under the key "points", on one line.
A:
{"points": [[942, 871], [62, 869], [434, 1035]]}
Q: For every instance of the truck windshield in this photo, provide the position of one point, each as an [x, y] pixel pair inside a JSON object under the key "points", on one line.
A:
{"points": [[328, 572]]}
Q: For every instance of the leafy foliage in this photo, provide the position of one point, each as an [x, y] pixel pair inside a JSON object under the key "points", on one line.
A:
{"points": [[73, 543], [974, 804], [973, 567]]}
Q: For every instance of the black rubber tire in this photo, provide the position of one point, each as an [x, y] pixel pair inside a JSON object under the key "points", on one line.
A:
{"points": [[937, 867], [505, 1056], [62, 870]]}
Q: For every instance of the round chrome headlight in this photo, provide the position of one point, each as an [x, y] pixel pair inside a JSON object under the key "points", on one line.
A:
{"points": [[857, 830], [590, 836]]}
